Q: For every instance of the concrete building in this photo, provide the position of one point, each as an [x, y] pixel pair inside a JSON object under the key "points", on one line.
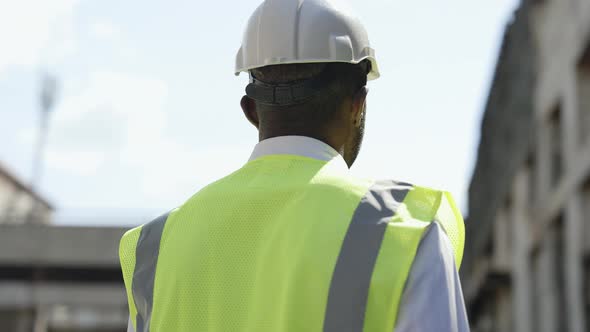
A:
{"points": [[527, 264], [61, 279], [19, 203], [53, 278]]}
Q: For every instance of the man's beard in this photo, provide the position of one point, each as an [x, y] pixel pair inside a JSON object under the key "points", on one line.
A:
{"points": [[356, 142]]}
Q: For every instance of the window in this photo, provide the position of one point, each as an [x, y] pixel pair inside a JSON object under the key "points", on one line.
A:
{"points": [[560, 270], [536, 297], [549, 292], [531, 172], [502, 241], [504, 316], [556, 151], [583, 83]]}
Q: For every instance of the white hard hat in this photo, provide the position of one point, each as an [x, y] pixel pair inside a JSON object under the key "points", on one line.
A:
{"points": [[303, 31]]}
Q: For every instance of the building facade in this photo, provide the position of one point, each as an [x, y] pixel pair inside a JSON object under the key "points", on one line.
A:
{"points": [[19, 203], [55, 278], [61, 279], [527, 264]]}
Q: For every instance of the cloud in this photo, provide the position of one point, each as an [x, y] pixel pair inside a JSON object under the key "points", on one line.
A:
{"points": [[114, 112], [105, 30], [117, 128], [114, 37], [81, 163], [28, 27]]}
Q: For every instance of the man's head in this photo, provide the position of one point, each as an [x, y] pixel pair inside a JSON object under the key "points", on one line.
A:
{"points": [[309, 62], [333, 113]]}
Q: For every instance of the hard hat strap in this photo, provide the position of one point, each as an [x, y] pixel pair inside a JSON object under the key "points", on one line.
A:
{"points": [[292, 93], [285, 94]]}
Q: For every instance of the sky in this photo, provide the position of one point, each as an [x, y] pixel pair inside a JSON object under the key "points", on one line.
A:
{"points": [[147, 109]]}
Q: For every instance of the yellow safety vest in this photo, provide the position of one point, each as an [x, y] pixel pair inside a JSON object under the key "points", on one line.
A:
{"points": [[286, 243]]}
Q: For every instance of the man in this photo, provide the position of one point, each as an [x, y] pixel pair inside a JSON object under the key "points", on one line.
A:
{"points": [[291, 241]]}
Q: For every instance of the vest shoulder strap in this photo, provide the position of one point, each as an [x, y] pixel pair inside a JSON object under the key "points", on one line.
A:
{"points": [[428, 205]]}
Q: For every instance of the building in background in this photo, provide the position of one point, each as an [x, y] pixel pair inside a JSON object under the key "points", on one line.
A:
{"points": [[55, 278], [527, 263], [61, 279], [19, 203]]}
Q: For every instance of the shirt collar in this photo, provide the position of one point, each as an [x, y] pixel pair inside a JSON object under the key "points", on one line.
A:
{"points": [[299, 146]]}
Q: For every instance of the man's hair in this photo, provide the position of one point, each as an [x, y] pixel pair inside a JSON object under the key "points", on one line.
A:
{"points": [[317, 112]]}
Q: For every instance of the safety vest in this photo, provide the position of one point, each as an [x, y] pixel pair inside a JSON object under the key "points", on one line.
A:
{"points": [[286, 243]]}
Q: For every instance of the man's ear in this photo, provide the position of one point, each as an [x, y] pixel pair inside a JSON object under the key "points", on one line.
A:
{"points": [[359, 102], [249, 108]]}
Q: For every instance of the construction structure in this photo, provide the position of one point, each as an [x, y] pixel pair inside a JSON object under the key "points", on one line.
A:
{"points": [[61, 279], [55, 278], [527, 263]]}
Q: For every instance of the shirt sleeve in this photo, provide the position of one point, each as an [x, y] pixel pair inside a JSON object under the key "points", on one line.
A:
{"points": [[130, 326], [432, 299]]}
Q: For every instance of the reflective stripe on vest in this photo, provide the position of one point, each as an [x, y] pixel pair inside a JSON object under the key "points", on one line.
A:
{"points": [[349, 289], [148, 247]]}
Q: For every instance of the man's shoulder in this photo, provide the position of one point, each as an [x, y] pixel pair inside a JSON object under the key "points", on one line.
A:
{"points": [[423, 202], [420, 206]]}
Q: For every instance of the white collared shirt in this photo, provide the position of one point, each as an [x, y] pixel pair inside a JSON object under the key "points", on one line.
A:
{"points": [[299, 146], [432, 299]]}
